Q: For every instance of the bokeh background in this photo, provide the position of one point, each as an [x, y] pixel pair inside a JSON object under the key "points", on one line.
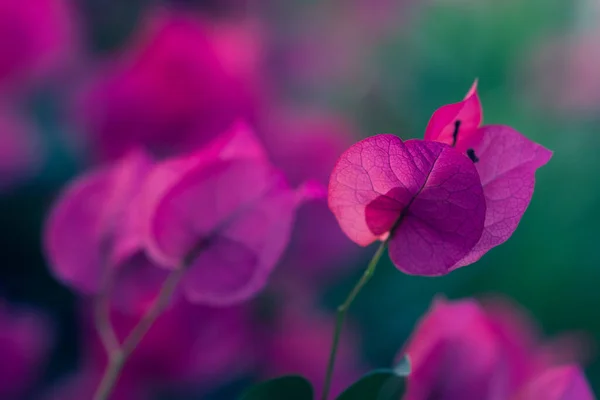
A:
{"points": [[324, 69]]}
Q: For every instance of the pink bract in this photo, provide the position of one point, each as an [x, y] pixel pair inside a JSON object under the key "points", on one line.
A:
{"points": [[225, 213], [507, 165], [506, 162], [428, 193], [172, 89], [441, 126], [95, 230], [464, 350], [35, 40]]}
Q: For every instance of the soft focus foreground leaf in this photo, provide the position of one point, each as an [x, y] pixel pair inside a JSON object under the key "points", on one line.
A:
{"points": [[428, 193], [381, 384], [286, 387]]}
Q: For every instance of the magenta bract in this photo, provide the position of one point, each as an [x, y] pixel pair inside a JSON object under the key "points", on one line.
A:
{"points": [[225, 213], [427, 192], [95, 231], [171, 90], [445, 201], [463, 350]]}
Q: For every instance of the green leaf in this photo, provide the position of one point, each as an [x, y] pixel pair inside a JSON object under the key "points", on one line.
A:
{"points": [[382, 384], [290, 387]]}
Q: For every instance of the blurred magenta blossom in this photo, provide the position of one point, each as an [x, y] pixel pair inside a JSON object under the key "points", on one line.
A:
{"points": [[25, 342], [464, 350], [37, 39], [223, 212], [179, 82], [445, 200]]}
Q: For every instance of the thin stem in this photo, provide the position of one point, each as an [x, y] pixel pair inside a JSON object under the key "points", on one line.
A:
{"points": [[341, 315], [161, 302], [118, 356], [103, 325]]}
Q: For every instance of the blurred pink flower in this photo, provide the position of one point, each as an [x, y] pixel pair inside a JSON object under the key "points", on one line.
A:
{"points": [[93, 234], [25, 340], [225, 214], [21, 152], [298, 341], [179, 83], [446, 200], [461, 350], [188, 345], [36, 38]]}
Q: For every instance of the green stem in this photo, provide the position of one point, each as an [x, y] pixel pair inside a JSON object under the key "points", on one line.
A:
{"points": [[117, 357], [341, 315]]}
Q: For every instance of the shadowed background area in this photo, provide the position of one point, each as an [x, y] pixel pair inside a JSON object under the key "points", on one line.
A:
{"points": [[82, 82]]}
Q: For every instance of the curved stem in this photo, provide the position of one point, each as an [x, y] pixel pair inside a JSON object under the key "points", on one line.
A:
{"points": [[341, 315], [118, 356]]}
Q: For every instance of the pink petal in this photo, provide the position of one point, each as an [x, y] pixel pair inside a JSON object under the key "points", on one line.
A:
{"points": [[558, 383], [168, 91], [507, 165], [430, 189], [441, 126], [239, 213], [72, 236], [94, 223]]}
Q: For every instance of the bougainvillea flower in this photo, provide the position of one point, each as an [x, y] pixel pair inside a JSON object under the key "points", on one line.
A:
{"points": [[440, 207], [94, 230], [559, 383], [172, 89], [505, 160], [225, 215], [462, 350], [35, 39], [20, 150], [188, 344], [428, 193], [25, 340], [298, 342]]}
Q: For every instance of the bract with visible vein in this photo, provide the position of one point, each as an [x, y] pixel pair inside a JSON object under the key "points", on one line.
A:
{"points": [[427, 195], [507, 165], [227, 218]]}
